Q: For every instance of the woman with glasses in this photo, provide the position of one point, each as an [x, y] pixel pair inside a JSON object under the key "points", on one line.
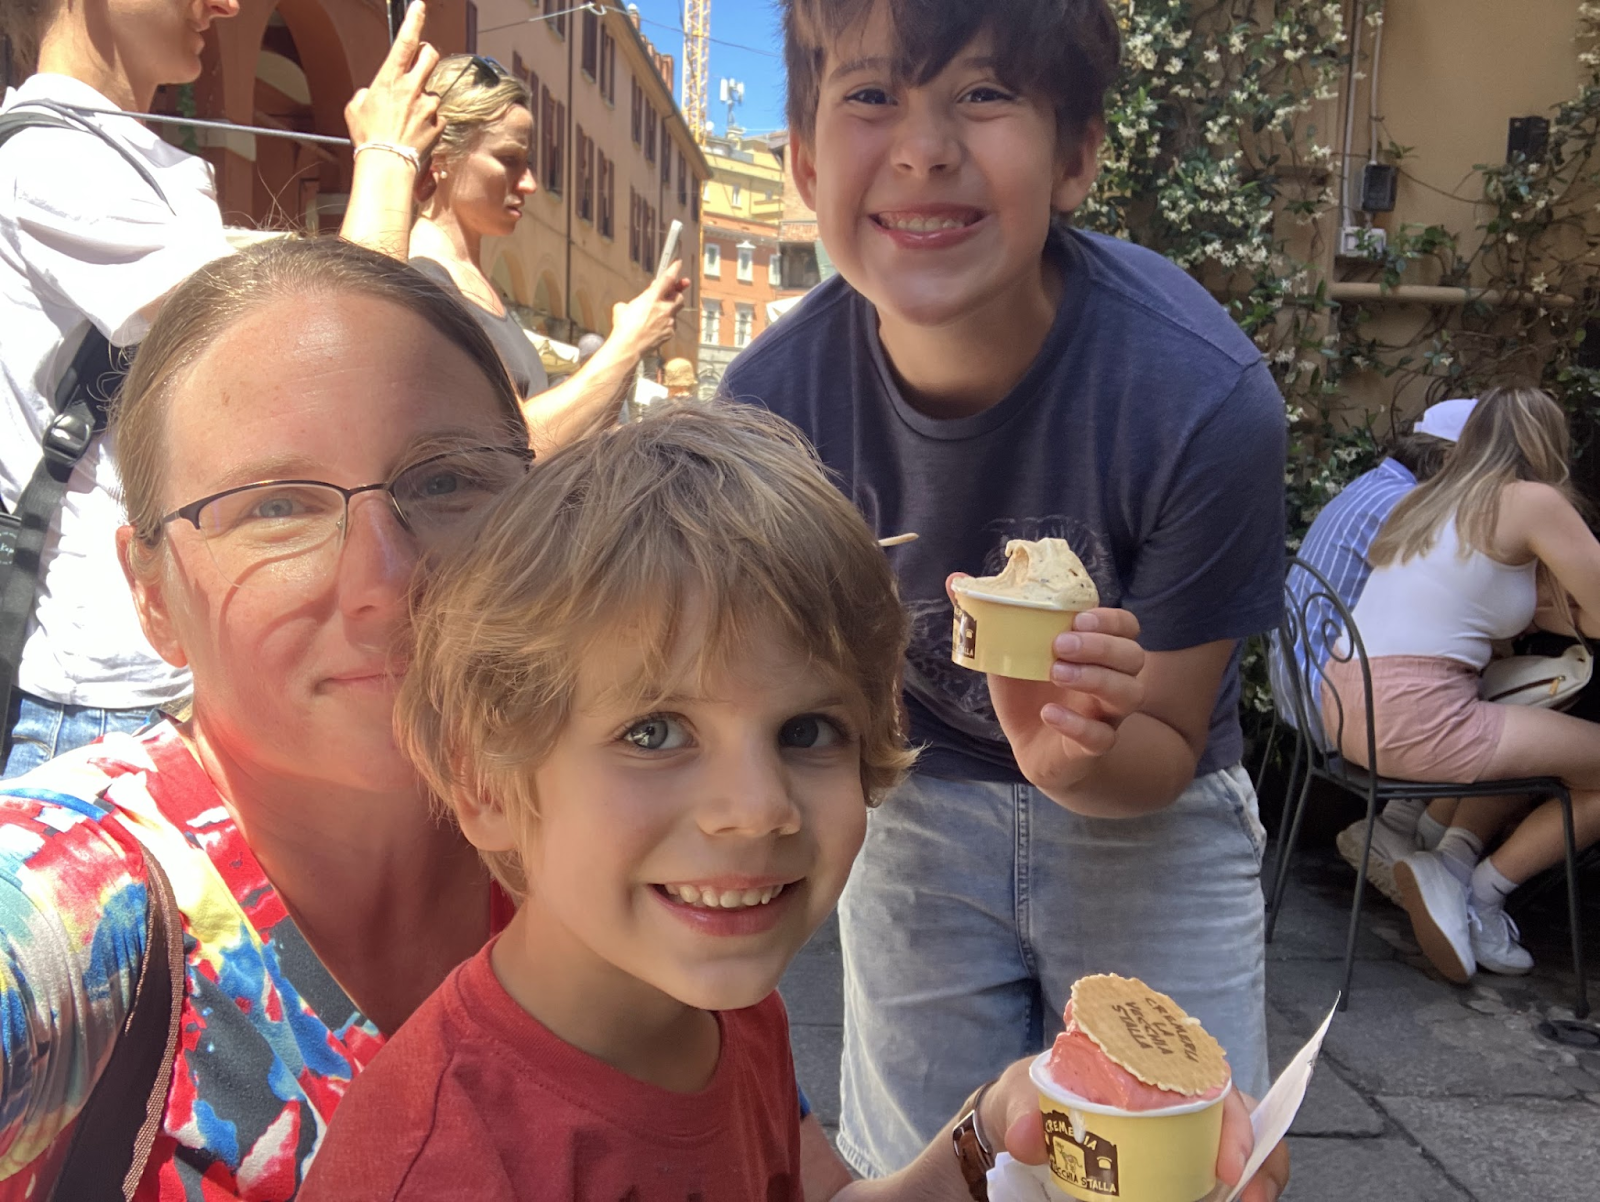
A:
{"points": [[100, 218], [474, 187], [304, 424]]}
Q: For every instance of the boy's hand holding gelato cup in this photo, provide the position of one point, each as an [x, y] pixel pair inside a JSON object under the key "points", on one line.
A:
{"points": [[1007, 624], [1131, 1094]]}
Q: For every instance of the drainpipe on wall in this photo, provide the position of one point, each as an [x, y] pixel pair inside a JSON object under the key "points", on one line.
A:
{"points": [[568, 160]]}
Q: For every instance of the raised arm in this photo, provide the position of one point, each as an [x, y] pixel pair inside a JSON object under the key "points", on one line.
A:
{"points": [[72, 935], [395, 110], [591, 397]]}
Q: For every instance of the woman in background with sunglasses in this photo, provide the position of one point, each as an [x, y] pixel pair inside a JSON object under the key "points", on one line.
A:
{"points": [[475, 185]]}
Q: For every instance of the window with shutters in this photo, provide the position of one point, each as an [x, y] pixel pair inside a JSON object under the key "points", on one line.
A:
{"points": [[608, 66], [585, 170], [712, 262], [711, 322], [608, 202], [471, 38], [557, 9], [638, 111], [649, 133], [683, 179], [554, 142], [775, 270], [652, 247], [633, 225], [744, 320], [590, 55], [747, 260]]}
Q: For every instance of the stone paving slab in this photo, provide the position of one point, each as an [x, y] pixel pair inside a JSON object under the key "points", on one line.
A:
{"points": [[1367, 1170], [1331, 1107], [1407, 1034], [816, 1063], [1528, 1148]]}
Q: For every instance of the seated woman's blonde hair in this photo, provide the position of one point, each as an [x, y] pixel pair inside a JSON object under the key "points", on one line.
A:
{"points": [[715, 523]]}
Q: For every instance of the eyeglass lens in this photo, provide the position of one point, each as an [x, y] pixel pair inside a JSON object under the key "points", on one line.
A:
{"points": [[275, 534]]}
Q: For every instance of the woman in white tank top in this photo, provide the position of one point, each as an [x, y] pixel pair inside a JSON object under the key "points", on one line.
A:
{"points": [[1456, 566]]}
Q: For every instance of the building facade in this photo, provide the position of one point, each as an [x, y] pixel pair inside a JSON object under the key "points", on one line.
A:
{"points": [[615, 162], [740, 264]]}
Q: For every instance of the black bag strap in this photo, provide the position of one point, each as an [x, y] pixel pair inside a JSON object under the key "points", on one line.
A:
{"points": [[80, 402], [115, 1133]]}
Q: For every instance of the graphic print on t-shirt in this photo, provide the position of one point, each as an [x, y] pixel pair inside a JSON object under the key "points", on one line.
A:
{"points": [[959, 696]]}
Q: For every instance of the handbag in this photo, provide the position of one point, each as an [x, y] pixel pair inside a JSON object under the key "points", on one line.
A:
{"points": [[1550, 682]]}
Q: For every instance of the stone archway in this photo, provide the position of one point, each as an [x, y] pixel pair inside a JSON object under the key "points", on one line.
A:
{"points": [[292, 63], [508, 275], [547, 302]]}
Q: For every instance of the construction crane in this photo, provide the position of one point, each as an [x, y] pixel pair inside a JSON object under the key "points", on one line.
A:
{"points": [[696, 47]]}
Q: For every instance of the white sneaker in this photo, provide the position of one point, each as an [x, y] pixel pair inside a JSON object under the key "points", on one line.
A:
{"points": [[1437, 904], [1388, 845], [1495, 943]]}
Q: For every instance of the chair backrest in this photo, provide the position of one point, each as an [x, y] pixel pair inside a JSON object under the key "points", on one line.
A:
{"points": [[1311, 605]]}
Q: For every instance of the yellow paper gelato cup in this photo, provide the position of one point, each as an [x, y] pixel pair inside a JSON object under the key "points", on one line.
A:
{"points": [[1006, 637], [1103, 1152]]}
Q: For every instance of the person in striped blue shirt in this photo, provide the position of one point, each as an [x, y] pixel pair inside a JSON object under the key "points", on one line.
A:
{"points": [[1336, 545]]}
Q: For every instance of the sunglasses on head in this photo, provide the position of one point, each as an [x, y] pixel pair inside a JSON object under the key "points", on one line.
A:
{"points": [[486, 73]]}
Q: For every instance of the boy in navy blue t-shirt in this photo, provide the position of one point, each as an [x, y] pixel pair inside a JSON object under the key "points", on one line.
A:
{"points": [[978, 372]]}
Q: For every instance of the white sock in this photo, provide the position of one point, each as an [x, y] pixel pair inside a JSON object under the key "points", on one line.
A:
{"points": [[1429, 831], [1460, 850], [1490, 888], [1402, 815]]}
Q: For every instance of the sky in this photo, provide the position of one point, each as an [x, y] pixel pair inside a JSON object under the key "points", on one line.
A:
{"points": [[745, 23]]}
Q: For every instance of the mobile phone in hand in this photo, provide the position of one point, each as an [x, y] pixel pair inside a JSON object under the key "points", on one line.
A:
{"points": [[669, 249], [397, 17]]}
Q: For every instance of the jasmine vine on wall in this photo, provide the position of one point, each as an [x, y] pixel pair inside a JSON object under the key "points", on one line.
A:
{"points": [[1213, 158]]}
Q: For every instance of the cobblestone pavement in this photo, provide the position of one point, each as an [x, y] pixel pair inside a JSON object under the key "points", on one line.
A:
{"points": [[1427, 1092]]}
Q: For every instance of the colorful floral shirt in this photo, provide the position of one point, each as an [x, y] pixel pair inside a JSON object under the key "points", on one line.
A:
{"points": [[269, 1041]]}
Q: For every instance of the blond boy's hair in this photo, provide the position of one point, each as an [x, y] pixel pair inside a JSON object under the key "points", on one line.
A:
{"points": [[699, 519]]}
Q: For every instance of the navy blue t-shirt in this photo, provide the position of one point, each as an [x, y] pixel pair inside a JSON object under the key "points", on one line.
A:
{"points": [[1148, 433]]}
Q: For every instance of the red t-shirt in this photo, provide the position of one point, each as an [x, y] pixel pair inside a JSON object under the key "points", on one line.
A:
{"points": [[473, 1098]]}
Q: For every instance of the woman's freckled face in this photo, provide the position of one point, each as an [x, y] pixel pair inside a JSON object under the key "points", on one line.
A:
{"points": [[296, 680]]}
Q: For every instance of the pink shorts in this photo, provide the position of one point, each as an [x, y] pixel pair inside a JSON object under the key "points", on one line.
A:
{"points": [[1431, 725]]}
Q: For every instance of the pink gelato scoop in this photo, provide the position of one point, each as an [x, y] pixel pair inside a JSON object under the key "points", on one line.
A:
{"points": [[1079, 1066]]}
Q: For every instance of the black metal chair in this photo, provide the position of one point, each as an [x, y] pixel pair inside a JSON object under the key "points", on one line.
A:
{"points": [[1317, 757]]}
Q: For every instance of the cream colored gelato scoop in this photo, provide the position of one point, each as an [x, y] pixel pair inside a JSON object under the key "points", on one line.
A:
{"points": [[1043, 572]]}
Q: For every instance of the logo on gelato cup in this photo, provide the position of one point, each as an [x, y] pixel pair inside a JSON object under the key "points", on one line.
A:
{"points": [[1080, 1158], [965, 635]]}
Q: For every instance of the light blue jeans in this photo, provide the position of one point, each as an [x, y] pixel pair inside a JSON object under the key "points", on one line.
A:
{"points": [[42, 730], [974, 906]]}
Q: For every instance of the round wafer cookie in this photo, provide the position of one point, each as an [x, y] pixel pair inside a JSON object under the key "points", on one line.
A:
{"points": [[1149, 1034]]}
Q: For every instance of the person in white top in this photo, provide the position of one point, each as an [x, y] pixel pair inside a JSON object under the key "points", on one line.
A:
{"points": [[96, 234], [1457, 565]]}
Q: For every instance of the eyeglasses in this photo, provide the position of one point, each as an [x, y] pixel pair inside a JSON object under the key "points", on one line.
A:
{"points": [[290, 532]]}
